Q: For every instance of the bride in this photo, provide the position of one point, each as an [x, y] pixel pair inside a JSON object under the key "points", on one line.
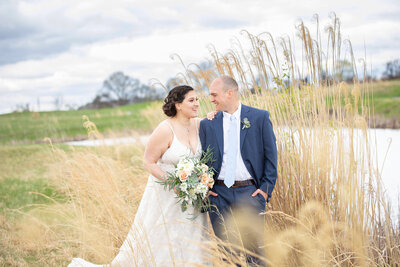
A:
{"points": [[161, 234]]}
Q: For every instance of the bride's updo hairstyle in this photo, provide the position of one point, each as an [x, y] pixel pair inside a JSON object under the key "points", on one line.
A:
{"points": [[176, 95]]}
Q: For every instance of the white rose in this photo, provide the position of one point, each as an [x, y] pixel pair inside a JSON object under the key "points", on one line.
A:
{"points": [[196, 189], [180, 166], [201, 189], [183, 187], [204, 189], [188, 168], [204, 167]]}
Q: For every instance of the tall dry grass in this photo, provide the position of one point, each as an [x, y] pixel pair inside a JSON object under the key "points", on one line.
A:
{"points": [[327, 209], [105, 185], [324, 146]]}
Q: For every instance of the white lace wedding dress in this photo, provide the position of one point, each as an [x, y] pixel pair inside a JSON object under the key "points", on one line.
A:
{"points": [[162, 235]]}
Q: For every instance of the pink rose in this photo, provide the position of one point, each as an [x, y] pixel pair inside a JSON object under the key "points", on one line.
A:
{"points": [[182, 176]]}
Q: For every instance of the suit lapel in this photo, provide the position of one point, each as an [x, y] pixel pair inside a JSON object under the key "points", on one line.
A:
{"points": [[243, 132], [219, 131]]}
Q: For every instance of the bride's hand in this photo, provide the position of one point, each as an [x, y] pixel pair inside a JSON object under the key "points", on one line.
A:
{"points": [[176, 191], [211, 115], [211, 193]]}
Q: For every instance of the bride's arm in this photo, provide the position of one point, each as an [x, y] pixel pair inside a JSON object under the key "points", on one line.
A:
{"points": [[158, 143]]}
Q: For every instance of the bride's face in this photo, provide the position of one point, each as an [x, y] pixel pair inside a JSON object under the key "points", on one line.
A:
{"points": [[189, 105]]}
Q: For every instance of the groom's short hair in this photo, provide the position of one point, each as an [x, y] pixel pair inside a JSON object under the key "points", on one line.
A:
{"points": [[229, 83]]}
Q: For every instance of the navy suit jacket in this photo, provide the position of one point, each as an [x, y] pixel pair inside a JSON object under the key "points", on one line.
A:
{"points": [[257, 145]]}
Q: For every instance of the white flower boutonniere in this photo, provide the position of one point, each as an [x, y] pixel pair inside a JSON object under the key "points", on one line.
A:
{"points": [[246, 123]]}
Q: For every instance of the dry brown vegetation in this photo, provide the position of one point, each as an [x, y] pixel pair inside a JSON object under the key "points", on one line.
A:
{"points": [[327, 209], [325, 168]]}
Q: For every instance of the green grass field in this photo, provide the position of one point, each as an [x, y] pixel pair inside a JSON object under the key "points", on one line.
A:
{"points": [[24, 178], [30, 127], [386, 98], [25, 183]]}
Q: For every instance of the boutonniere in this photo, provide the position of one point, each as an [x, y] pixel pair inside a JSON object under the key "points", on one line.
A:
{"points": [[246, 123]]}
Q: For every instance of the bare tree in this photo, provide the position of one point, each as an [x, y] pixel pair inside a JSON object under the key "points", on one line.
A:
{"points": [[117, 88], [120, 89], [173, 82], [58, 102], [344, 71], [392, 70]]}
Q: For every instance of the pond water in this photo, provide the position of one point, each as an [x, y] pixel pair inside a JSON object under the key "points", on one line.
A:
{"points": [[388, 160], [108, 141]]}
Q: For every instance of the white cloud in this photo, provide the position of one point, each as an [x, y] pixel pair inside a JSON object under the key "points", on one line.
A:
{"points": [[69, 48]]}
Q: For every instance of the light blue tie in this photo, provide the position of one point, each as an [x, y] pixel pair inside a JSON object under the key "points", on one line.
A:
{"points": [[231, 155]]}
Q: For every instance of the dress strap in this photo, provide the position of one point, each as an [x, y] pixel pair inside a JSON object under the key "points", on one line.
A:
{"points": [[195, 123], [170, 126], [198, 132]]}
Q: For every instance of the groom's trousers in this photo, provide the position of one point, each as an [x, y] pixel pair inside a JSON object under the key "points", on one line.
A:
{"points": [[235, 217]]}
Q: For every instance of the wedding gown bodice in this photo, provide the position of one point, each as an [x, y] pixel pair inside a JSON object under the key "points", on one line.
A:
{"points": [[175, 152]]}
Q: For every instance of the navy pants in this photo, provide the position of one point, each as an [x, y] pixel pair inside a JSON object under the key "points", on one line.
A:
{"points": [[238, 205]]}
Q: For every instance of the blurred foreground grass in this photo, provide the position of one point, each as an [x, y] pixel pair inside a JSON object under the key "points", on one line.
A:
{"points": [[36, 215]]}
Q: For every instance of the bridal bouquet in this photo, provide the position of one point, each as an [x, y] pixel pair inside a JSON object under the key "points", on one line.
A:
{"points": [[191, 180]]}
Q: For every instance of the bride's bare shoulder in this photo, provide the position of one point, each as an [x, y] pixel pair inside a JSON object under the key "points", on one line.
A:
{"points": [[159, 141], [162, 131]]}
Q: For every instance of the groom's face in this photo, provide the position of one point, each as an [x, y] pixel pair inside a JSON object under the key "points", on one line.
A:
{"points": [[219, 97]]}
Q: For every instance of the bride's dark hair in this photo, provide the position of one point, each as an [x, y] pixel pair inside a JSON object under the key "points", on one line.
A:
{"points": [[176, 95]]}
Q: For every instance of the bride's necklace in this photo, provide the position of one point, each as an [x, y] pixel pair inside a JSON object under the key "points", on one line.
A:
{"points": [[187, 130], [188, 136]]}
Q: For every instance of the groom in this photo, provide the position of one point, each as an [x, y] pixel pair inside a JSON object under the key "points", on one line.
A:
{"points": [[244, 147]]}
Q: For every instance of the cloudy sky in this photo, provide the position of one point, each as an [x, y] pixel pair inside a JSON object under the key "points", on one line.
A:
{"points": [[59, 48]]}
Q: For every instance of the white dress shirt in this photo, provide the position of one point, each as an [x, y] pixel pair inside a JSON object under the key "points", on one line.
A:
{"points": [[241, 172]]}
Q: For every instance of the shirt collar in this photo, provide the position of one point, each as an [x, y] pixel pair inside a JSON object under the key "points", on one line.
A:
{"points": [[236, 113]]}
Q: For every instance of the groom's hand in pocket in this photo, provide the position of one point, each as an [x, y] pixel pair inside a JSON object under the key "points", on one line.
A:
{"points": [[259, 191]]}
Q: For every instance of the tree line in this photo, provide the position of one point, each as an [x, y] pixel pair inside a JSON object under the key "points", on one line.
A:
{"points": [[120, 89]]}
